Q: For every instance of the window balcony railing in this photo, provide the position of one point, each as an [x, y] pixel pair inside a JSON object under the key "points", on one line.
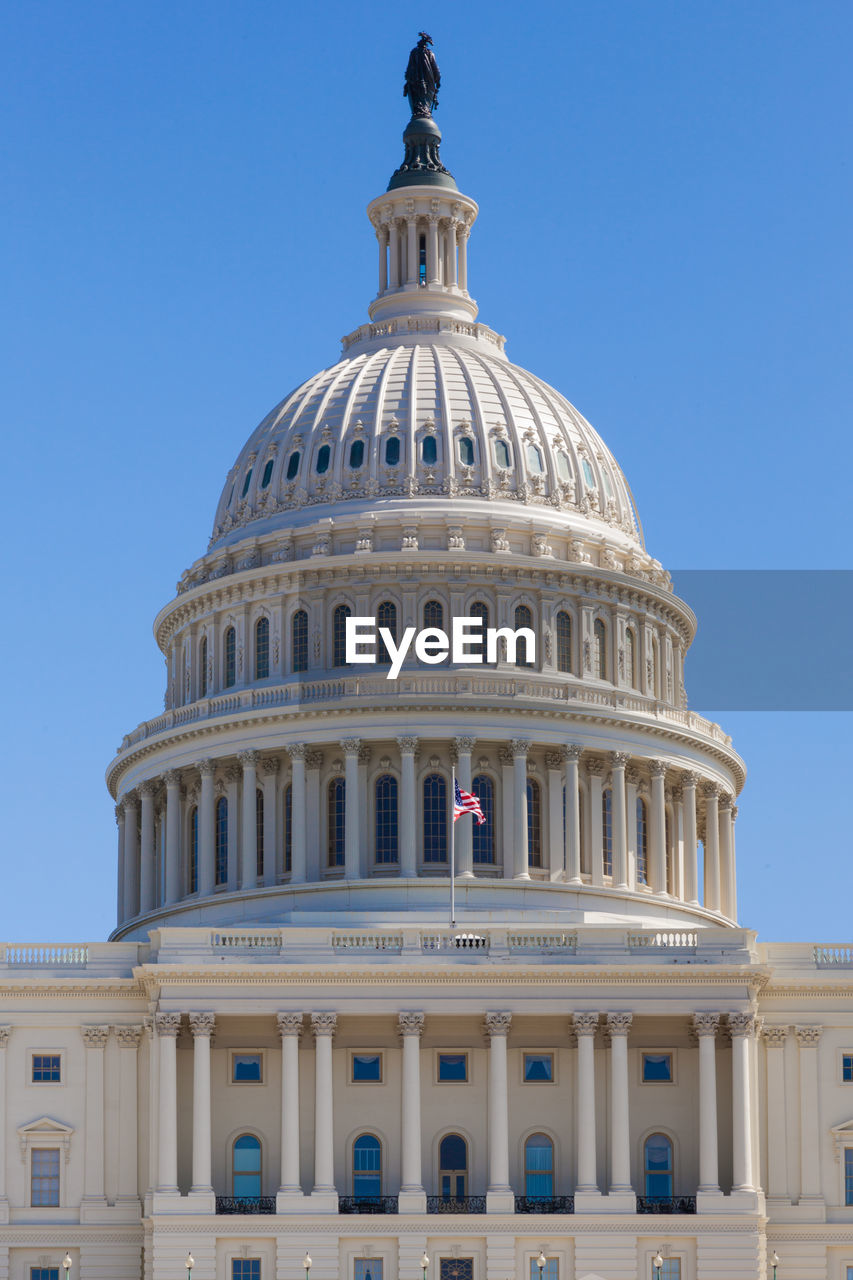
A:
{"points": [[544, 1204], [666, 1204], [456, 1204], [367, 1204], [245, 1204]]}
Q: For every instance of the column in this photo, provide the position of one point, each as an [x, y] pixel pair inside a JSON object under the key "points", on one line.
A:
{"points": [[432, 249], [394, 255], [507, 817], [725, 837], [463, 257], [775, 1039], [323, 1026], [571, 756], [298, 825], [412, 1194], [585, 1026], [500, 1197], [146, 851], [95, 1039], [128, 1039], [382, 241], [712, 846], [595, 768], [411, 251], [201, 1025], [119, 812], [742, 1027], [5, 1032], [556, 835], [618, 1025], [519, 748], [705, 1025], [168, 1026], [290, 1029], [733, 882], [808, 1039], [465, 828], [688, 800], [351, 748], [657, 827], [618, 761], [173, 834], [206, 829], [273, 845], [451, 254], [408, 808], [249, 832], [131, 856]]}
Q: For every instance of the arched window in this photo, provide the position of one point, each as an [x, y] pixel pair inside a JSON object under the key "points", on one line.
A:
{"points": [[386, 616], [564, 467], [534, 823], [246, 483], [356, 454], [192, 878], [484, 832], [523, 618], [299, 641], [642, 842], [246, 1167], [435, 818], [479, 610], [288, 829], [293, 465], [429, 451], [466, 451], [387, 842], [230, 672], [503, 457], [452, 1167], [534, 460], [631, 658], [657, 1166], [607, 831], [262, 649], [339, 635], [267, 476], [434, 614], [324, 456], [564, 641], [221, 841], [392, 451], [366, 1166], [539, 1167], [599, 649], [202, 668], [259, 829], [337, 821]]}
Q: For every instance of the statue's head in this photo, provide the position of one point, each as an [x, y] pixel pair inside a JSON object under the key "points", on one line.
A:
{"points": [[424, 38]]}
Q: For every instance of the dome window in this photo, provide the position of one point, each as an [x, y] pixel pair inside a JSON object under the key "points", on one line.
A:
{"points": [[502, 455], [293, 465], [392, 451], [246, 483], [356, 454], [608, 487], [564, 470], [587, 473], [324, 455], [429, 451], [267, 476], [422, 262], [466, 451], [534, 459]]}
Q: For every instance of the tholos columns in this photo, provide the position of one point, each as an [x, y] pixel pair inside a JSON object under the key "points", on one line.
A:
{"points": [[146, 852], [128, 1039], [168, 1026], [172, 780], [462, 240], [778, 1188], [131, 856], [519, 748], [290, 1029], [500, 1195], [808, 1039], [201, 1025], [95, 1039], [712, 846], [691, 876], [323, 1026], [594, 769], [742, 1027], [351, 748], [273, 847], [412, 1194], [382, 241], [705, 1025], [571, 756], [5, 1032], [432, 250], [298, 825], [394, 255], [206, 851], [726, 869], [585, 1026], [464, 830], [657, 827], [618, 762], [408, 808], [120, 879], [619, 1024], [249, 832]]}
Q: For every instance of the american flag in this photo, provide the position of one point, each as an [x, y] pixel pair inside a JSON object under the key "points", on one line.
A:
{"points": [[465, 802]]}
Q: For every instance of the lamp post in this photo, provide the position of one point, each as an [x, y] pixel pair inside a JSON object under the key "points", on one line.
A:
{"points": [[306, 1262], [541, 1263], [774, 1262], [657, 1263], [189, 1264], [425, 1265], [66, 1264]]}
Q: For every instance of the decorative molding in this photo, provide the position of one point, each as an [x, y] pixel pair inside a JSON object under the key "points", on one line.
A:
{"points": [[95, 1037], [128, 1037], [270, 766], [775, 1036], [5, 1032], [808, 1037]]}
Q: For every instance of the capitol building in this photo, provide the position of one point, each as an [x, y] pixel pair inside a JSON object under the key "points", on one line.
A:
{"points": [[291, 1061]]}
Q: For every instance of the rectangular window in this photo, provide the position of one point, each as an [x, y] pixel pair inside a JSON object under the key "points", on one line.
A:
{"points": [[453, 1068], [551, 1270], [367, 1269], [44, 1177], [657, 1068], [47, 1068], [848, 1175], [247, 1068], [456, 1269], [847, 1068], [44, 1273], [366, 1068], [245, 1269], [538, 1068], [671, 1270]]}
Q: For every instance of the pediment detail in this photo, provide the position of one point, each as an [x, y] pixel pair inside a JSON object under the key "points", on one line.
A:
{"points": [[45, 1132]]}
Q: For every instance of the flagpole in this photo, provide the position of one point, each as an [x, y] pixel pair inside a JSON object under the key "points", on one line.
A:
{"points": [[453, 847]]}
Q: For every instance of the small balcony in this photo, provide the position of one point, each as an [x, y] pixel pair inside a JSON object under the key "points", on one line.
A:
{"points": [[367, 1204], [544, 1204], [245, 1204], [456, 1204], [666, 1204]]}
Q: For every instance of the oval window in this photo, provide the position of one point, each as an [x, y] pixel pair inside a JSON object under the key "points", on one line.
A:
{"points": [[246, 483], [267, 476], [323, 457], [534, 459], [587, 474], [293, 465], [466, 451], [502, 456], [392, 451], [429, 450], [564, 471], [356, 454]]}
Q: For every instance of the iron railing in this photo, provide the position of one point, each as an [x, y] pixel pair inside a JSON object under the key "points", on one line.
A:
{"points": [[367, 1204], [456, 1204], [245, 1204], [666, 1204], [544, 1204]]}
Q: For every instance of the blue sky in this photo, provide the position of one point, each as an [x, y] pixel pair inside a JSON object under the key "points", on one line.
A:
{"points": [[665, 195]]}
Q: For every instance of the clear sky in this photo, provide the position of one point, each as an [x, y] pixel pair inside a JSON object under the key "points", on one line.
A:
{"points": [[665, 196]]}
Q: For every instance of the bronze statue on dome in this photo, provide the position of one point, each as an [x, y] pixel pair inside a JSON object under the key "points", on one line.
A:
{"points": [[422, 78]]}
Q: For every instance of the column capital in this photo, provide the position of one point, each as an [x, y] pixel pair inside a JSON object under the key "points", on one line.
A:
{"points": [[571, 751], [726, 800], [289, 1024], [270, 766], [618, 759], [775, 1037], [323, 1024], [465, 745], [706, 1024], [119, 812], [408, 745], [410, 1024], [689, 779], [296, 750], [202, 1024], [808, 1037], [313, 759], [619, 1024], [585, 1024], [206, 768], [504, 755], [657, 768], [595, 768], [249, 758], [5, 1032], [233, 773], [734, 812], [95, 1037], [710, 790], [742, 1024], [129, 800], [147, 788], [497, 1024], [553, 759], [519, 747], [168, 1024], [172, 777], [128, 1037], [351, 746]]}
